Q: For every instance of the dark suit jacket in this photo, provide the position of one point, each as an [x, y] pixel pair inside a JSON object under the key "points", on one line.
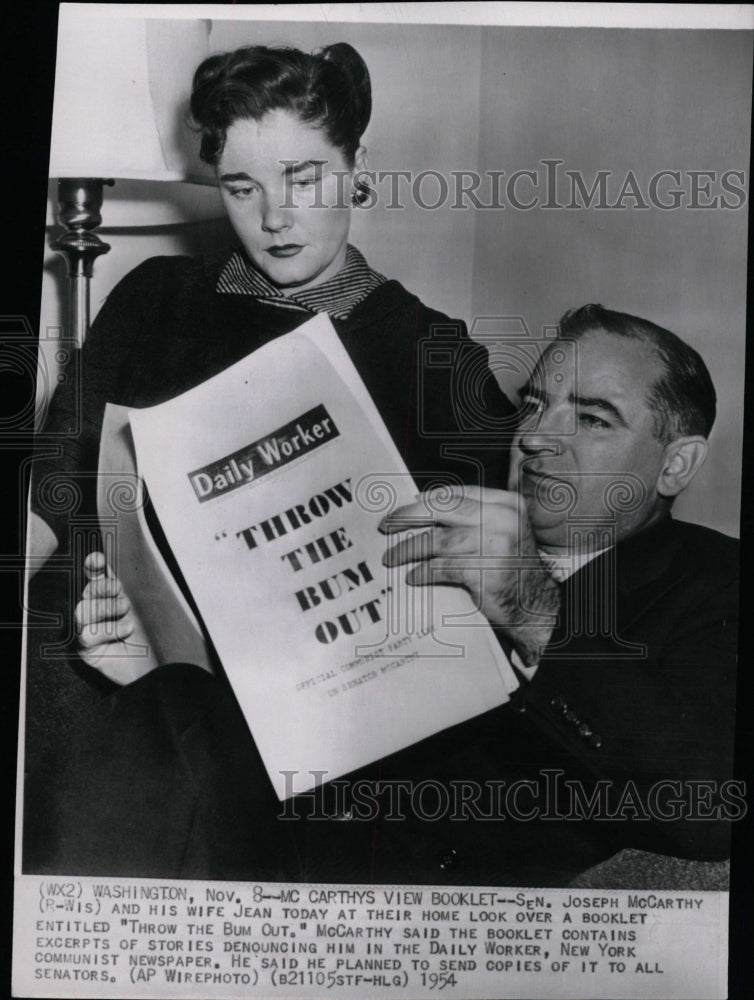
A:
{"points": [[624, 737], [638, 682], [640, 693]]}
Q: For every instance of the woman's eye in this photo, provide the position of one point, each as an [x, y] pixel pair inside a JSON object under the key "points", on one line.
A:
{"points": [[304, 182], [242, 193]]}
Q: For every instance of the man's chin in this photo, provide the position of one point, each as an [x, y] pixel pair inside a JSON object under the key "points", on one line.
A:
{"points": [[549, 531], [554, 543]]}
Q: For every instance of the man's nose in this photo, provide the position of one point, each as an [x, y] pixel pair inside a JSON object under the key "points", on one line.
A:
{"points": [[543, 433]]}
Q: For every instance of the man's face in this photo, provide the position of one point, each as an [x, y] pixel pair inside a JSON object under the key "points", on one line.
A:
{"points": [[587, 455]]}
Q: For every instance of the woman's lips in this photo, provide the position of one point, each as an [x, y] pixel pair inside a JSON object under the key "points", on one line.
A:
{"points": [[287, 250]]}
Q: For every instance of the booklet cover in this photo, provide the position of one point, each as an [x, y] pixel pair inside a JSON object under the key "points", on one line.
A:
{"points": [[270, 481]]}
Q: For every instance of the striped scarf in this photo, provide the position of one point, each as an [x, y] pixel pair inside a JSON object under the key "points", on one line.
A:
{"points": [[336, 297]]}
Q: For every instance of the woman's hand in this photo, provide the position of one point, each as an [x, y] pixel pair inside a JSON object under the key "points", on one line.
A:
{"points": [[104, 620]]}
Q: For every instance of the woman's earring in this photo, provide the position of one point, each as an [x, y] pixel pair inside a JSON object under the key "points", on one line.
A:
{"points": [[360, 194]]}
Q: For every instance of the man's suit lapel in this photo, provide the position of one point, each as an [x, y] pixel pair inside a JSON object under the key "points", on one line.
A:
{"points": [[644, 571], [609, 594]]}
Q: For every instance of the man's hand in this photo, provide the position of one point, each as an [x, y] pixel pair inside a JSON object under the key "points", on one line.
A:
{"points": [[104, 621], [480, 539]]}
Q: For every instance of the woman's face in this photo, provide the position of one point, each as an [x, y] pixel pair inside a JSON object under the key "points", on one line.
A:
{"points": [[288, 194]]}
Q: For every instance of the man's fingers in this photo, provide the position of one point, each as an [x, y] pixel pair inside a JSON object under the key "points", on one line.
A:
{"points": [[104, 633], [409, 549], [418, 515], [466, 505], [437, 541], [482, 494], [433, 572], [412, 515]]}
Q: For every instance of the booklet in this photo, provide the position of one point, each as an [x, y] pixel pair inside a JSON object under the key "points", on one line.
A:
{"points": [[269, 481], [166, 629]]}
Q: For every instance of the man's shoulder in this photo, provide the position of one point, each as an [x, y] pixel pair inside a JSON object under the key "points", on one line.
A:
{"points": [[706, 546], [679, 552]]}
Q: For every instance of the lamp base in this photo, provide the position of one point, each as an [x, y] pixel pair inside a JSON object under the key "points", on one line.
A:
{"points": [[80, 201]]}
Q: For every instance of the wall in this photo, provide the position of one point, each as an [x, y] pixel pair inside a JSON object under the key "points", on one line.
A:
{"points": [[625, 100]]}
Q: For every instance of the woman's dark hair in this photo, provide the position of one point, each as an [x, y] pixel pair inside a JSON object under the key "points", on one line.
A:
{"points": [[329, 89]]}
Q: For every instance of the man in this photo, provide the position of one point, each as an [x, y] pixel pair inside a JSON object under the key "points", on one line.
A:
{"points": [[628, 663], [619, 621]]}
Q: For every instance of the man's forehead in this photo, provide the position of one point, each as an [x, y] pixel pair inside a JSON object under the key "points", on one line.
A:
{"points": [[599, 359]]}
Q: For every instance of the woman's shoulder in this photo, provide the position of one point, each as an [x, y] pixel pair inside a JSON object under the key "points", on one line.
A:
{"points": [[161, 300], [175, 271], [391, 300]]}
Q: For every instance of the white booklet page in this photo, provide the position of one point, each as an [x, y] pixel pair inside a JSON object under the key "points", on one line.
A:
{"points": [[270, 481]]}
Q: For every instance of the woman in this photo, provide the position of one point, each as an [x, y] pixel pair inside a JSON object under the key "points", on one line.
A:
{"points": [[283, 130]]}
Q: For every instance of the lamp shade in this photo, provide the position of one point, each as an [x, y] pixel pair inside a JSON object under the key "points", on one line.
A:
{"points": [[120, 111]]}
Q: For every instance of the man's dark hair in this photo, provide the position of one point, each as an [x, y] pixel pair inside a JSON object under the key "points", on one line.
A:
{"points": [[683, 397]]}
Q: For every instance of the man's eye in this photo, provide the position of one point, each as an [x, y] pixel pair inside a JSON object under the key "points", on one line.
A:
{"points": [[304, 182], [529, 412], [593, 421], [531, 404]]}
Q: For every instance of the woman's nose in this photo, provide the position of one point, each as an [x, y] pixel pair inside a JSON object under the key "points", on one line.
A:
{"points": [[276, 215]]}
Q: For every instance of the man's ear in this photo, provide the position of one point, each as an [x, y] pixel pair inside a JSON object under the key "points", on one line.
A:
{"points": [[682, 460]]}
